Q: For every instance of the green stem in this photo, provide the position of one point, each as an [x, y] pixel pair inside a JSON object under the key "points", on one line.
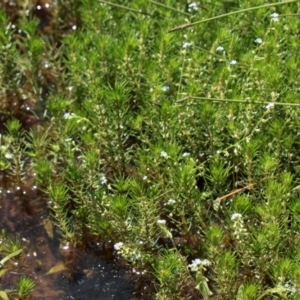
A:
{"points": [[121, 146], [170, 8], [125, 7], [238, 101]]}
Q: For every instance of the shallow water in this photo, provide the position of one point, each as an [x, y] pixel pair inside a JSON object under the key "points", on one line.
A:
{"points": [[59, 272]]}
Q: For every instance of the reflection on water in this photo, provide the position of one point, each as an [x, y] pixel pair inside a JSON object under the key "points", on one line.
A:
{"points": [[58, 271]]}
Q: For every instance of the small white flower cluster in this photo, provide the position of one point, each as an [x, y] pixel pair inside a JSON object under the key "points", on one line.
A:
{"points": [[165, 88], [220, 48], [161, 222], [274, 17], [118, 246], [236, 216], [67, 115], [269, 106], [127, 252], [199, 263], [258, 41], [8, 155], [171, 201], [103, 180], [193, 6], [238, 226], [186, 45], [290, 287], [164, 154]]}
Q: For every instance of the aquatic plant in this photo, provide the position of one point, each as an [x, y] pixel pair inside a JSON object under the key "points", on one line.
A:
{"points": [[25, 287], [171, 132], [11, 248]]}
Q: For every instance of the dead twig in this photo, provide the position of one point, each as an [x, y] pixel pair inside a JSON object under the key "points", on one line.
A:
{"points": [[247, 187]]}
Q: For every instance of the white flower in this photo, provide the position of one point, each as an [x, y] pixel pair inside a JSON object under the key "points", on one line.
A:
{"points": [[163, 154], [165, 88], [185, 154], [293, 290], [195, 262], [274, 17], [193, 6], [288, 286], [199, 262], [137, 256], [220, 48], [236, 216], [118, 246], [171, 201], [8, 155], [66, 246], [161, 222], [144, 177], [186, 44], [205, 262], [233, 62], [67, 115], [269, 105], [258, 41], [103, 180]]}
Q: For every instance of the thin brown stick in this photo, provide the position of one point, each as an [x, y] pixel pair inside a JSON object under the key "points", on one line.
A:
{"points": [[170, 8], [182, 99], [247, 187], [180, 27]]}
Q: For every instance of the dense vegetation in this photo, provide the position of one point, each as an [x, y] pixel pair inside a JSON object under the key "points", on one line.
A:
{"points": [[177, 144]]}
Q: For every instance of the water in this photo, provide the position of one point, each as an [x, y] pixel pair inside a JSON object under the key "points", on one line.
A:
{"points": [[60, 272]]}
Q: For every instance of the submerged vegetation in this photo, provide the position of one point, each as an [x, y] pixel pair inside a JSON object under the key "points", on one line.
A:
{"points": [[175, 141], [11, 248]]}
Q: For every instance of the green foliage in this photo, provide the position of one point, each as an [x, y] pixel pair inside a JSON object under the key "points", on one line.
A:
{"points": [[170, 272], [13, 152], [181, 148], [247, 292], [24, 287], [10, 249]]}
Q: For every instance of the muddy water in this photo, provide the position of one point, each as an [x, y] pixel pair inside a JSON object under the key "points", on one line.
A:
{"points": [[58, 271]]}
